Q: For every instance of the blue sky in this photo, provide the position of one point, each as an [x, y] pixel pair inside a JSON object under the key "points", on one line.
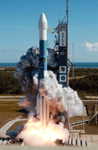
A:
{"points": [[19, 27]]}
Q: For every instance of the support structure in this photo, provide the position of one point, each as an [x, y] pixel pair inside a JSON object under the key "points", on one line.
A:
{"points": [[63, 51]]}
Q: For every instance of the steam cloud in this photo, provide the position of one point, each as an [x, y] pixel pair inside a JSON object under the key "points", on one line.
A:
{"points": [[60, 99], [27, 73]]}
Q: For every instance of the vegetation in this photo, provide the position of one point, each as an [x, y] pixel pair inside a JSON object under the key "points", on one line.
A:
{"points": [[10, 110], [8, 83], [89, 129], [81, 95], [85, 80], [78, 118], [88, 83], [91, 107], [83, 72], [15, 125]]}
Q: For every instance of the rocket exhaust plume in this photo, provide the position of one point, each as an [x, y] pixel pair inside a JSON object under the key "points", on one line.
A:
{"points": [[44, 96]]}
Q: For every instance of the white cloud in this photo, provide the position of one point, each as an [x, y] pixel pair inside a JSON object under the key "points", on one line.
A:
{"points": [[90, 46]]}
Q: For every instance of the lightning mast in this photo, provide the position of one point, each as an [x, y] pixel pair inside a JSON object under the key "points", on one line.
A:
{"points": [[67, 41]]}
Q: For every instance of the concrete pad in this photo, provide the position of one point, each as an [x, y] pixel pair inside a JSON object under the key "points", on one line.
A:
{"points": [[3, 135], [18, 147], [8, 125], [90, 138], [89, 144], [75, 131]]}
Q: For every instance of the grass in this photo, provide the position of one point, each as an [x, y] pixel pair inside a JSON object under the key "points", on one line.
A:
{"points": [[81, 95], [12, 95], [78, 118], [89, 129], [9, 110], [83, 71], [9, 106], [10, 99], [15, 125], [91, 106]]}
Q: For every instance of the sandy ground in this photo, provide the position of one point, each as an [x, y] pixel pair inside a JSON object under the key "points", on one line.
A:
{"points": [[8, 125], [14, 100], [8, 97], [15, 147]]}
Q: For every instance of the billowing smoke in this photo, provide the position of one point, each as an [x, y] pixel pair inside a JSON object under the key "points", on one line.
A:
{"points": [[33, 134], [61, 100], [27, 73]]}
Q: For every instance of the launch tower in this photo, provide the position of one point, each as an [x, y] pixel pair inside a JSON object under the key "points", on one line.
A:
{"points": [[63, 51]]}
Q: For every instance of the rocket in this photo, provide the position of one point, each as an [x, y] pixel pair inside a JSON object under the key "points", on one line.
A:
{"points": [[42, 105]]}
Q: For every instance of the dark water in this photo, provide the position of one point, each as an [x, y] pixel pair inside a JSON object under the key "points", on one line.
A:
{"points": [[78, 64], [86, 64], [8, 64]]}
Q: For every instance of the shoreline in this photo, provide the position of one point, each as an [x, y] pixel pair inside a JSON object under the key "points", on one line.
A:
{"points": [[4, 68]]}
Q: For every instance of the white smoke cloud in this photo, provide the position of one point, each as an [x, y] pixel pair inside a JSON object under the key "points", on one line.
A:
{"points": [[60, 97], [91, 47], [27, 73], [61, 100]]}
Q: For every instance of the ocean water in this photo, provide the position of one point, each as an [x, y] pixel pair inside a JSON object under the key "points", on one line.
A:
{"points": [[78, 64], [8, 64], [86, 64]]}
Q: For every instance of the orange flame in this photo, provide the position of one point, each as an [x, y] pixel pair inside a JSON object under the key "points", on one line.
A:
{"points": [[46, 136]]}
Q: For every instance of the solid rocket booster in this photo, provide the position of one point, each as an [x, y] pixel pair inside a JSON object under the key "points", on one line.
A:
{"points": [[43, 45], [42, 105]]}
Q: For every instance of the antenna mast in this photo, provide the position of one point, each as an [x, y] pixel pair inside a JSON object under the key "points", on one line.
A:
{"points": [[67, 11], [67, 41]]}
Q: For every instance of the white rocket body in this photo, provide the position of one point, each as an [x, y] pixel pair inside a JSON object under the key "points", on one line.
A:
{"points": [[43, 46], [42, 105]]}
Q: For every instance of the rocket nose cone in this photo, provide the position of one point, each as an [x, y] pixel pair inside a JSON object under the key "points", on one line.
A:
{"points": [[42, 18]]}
